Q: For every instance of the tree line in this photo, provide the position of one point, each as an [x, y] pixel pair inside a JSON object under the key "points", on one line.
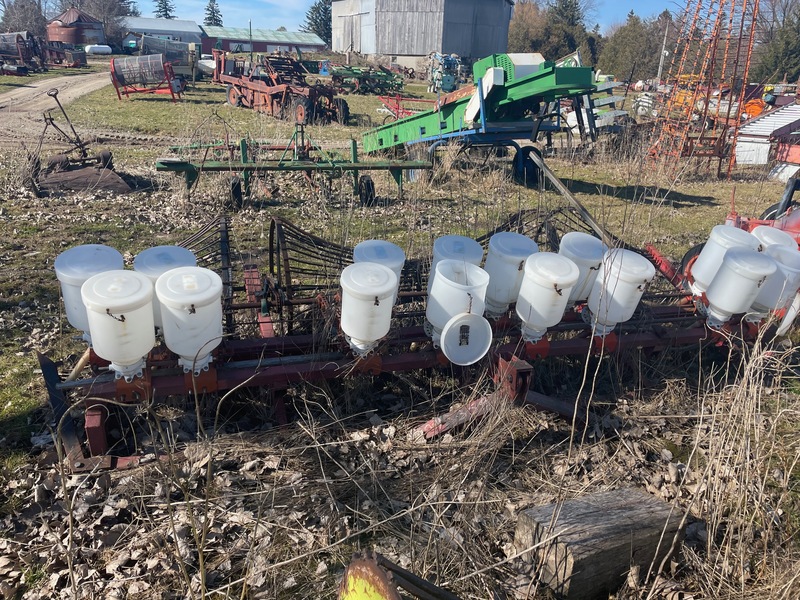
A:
{"points": [[632, 50], [554, 28]]}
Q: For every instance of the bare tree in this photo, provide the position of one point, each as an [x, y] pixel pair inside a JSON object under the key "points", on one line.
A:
{"points": [[773, 15], [23, 15]]}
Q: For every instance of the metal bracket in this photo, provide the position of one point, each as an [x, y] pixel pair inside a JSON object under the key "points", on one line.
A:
{"points": [[513, 376]]}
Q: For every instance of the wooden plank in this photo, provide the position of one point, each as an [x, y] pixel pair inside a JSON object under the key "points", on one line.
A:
{"points": [[593, 541], [609, 85], [606, 100]]}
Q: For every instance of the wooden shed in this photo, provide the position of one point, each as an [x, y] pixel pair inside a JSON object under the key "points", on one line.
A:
{"points": [[414, 28]]}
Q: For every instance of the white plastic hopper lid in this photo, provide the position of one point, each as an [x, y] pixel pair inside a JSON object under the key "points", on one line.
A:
{"points": [[548, 268], [458, 247], [750, 263], [466, 339], [583, 245], [368, 279], [730, 236], [380, 251], [512, 245], [772, 236], [787, 257], [628, 266], [76, 265], [116, 291], [185, 286], [155, 261]]}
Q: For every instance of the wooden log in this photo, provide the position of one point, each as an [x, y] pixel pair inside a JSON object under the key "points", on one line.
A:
{"points": [[589, 547]]}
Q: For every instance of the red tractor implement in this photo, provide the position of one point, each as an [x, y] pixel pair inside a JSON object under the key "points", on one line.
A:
{"points": [[277, 86]]}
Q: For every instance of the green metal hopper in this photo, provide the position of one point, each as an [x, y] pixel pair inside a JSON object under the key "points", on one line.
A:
{"points": [[506, 112]]}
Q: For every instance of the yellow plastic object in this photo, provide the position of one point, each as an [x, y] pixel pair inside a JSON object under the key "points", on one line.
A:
{"points": [[365, 580]]}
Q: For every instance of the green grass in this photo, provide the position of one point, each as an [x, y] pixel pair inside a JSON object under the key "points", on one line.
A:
{"points": [[20, 395]]}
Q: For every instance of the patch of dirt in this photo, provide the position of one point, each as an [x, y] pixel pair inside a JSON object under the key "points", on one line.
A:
{"points": [[21, 109]]}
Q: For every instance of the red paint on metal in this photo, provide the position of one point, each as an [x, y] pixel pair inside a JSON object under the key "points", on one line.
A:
{"points": [[95, 425], [538, 350], [253, 285]]}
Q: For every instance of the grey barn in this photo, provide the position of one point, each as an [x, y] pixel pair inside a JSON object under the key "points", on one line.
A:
{"points": [[408, 29]]}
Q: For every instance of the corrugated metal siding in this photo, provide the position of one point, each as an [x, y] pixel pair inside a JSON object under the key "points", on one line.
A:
{"points": [[409, 26], [750, 151], [476, 28], [765, 125]]}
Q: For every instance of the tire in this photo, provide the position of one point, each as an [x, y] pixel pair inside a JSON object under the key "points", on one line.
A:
{"points": [[235, 199], [690, 255], [232, 96], [526, 171], [772, 212], [301, 111], [342, 110], [366, 191]]}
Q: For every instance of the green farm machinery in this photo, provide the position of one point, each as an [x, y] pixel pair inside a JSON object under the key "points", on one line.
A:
{"points": [[515, 96], [365, 80]]}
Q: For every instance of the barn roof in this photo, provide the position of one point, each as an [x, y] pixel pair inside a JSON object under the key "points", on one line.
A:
{"points": [[75, 15], [291, 38], [144, 24]]}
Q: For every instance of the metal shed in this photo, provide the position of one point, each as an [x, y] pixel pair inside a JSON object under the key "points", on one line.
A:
{"points": [[756, 137], [239, 39], [180, 30], [414, 28]]}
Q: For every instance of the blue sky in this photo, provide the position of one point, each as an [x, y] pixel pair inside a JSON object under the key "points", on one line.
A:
{"points": [[271, 14]]}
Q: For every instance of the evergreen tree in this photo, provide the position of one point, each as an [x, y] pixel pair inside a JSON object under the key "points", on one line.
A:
{"points": [[318, 20], [569, 13], [213, 14], [780, 58], [165, 9]]}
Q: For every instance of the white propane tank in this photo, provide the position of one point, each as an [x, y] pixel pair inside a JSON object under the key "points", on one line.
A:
{"points": [[586, 251], [458, 287], [156, 261], [191, 314], [97, 49], [505, 262], [619, 286], [368, 291], [384, 253], [772, 236], [736, 283], [76, 265], [709, 261], [780, 288], [454, 247], [119, 306], [549, 279]]}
